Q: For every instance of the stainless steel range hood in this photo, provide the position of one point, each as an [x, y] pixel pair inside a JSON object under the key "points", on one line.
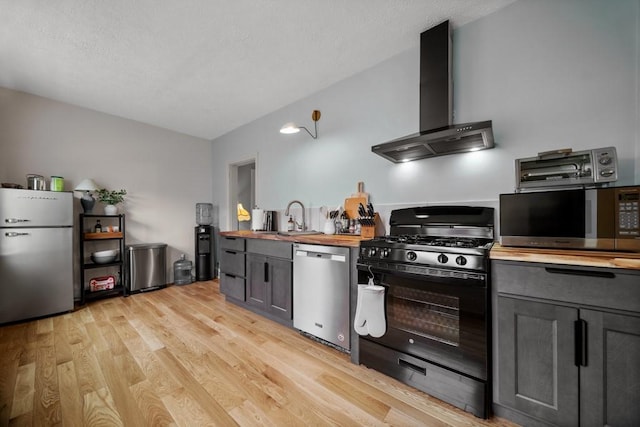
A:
{"points": [[437, 136]]}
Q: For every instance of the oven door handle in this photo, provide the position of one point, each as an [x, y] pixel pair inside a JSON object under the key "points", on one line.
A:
{"points": [[412, 366]]}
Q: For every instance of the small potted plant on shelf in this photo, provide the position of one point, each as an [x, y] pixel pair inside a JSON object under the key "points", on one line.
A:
{"points": [[111, 198]]}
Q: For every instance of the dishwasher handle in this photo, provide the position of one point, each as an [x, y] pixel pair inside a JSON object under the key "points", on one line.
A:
{"points": [[321, 255]]}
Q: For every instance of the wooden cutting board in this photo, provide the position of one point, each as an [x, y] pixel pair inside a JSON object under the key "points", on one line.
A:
{"points": [[351, 203], [351, 206], [361, 192]]}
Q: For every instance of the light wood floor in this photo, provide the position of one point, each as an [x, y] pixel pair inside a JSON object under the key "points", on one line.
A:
{"points": [[183, 356]]}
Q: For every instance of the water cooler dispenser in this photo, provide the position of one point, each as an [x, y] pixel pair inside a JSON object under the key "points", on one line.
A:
{"points": [[204, 242]]}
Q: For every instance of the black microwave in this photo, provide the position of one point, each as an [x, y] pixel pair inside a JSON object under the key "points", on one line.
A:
{"points": [[598, 218]]}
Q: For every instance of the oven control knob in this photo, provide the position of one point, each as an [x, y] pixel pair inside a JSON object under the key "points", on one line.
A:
{"points": [[461, 260], [442, 258], [373, 251], [411, 256], [605, 160], [385, 253]]}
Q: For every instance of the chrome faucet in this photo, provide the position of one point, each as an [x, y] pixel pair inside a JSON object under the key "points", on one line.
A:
{"points": [[286, 212]]}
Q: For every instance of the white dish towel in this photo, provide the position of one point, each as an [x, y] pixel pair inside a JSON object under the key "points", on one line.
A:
{"points": [[370, 318]]}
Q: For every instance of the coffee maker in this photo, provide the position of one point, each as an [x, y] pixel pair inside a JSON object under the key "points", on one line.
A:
{"points": [[204, 236]]}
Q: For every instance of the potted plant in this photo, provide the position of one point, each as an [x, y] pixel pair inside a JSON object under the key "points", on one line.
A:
{"points": [[111, 198]]}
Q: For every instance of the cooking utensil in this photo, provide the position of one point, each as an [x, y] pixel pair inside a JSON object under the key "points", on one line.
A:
{"points": [[361, 210]]}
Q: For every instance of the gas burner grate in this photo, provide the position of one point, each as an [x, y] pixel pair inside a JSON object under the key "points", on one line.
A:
{"points": [[451, 242], [458, 242]]}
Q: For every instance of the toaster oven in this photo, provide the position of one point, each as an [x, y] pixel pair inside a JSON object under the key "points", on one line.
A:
{"points": [[567, 168]]}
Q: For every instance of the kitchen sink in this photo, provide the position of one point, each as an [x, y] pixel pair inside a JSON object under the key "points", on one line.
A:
{"points": [[299, 233]]}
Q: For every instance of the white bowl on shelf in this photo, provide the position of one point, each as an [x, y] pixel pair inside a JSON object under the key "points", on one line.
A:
{"points": [[104, 257]]}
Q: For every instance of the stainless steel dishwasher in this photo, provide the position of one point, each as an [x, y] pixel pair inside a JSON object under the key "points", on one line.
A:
{"points": [[321, 292]]}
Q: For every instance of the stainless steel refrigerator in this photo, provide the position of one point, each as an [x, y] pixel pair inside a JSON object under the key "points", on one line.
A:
{"points": [[36, 253]]}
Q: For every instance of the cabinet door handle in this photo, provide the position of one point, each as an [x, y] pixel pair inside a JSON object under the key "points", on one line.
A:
{"points": [[266, 271], [230, 275], [589, 273], [580, 327], [231, 252], [413, 367]]}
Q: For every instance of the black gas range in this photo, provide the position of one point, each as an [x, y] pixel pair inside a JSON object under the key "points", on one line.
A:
{"points": [[434, 266], [423, 253]]}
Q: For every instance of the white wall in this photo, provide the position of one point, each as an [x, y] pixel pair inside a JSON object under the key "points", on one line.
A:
{"points": [[165, 173], [555, 74], [550, 74]]}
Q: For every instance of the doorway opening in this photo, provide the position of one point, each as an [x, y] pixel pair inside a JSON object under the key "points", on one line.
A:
{"points": [[242, 190]]}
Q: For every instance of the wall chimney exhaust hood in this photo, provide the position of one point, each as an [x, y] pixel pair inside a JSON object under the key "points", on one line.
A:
{"points": [[437, 136]]}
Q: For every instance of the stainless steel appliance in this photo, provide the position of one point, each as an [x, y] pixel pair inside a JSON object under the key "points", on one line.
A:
{"points": [[435, 268], [205, 252], [146, 267], [204, 237], [597, 218], [321, 292], [437, 135], [36, 253], [566, 168]]}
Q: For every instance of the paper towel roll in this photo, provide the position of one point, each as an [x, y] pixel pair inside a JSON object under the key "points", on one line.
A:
{"points": [[257, 219]]}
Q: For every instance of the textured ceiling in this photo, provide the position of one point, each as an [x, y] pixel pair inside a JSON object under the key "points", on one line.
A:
{"points": [[205, 67]]}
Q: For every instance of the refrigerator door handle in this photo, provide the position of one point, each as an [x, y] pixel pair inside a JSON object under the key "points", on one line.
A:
{"points": [[14, 234], [15, 220]]}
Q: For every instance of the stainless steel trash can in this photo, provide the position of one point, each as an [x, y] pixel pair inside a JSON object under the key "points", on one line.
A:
{"points": [[146, 267]]}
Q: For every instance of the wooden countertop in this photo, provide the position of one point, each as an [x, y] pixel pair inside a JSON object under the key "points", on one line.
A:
{"points": [[628, 260], [625, 260], [314, 239]]}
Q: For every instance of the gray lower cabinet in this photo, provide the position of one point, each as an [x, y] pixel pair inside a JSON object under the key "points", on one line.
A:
{"points": [[537, 374], [258, 275], [610, 383], [270, 278], [232, 267], [269, 285], [566, 345]]}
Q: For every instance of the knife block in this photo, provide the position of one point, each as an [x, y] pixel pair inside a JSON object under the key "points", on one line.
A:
{"points": [[371, 231]]}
